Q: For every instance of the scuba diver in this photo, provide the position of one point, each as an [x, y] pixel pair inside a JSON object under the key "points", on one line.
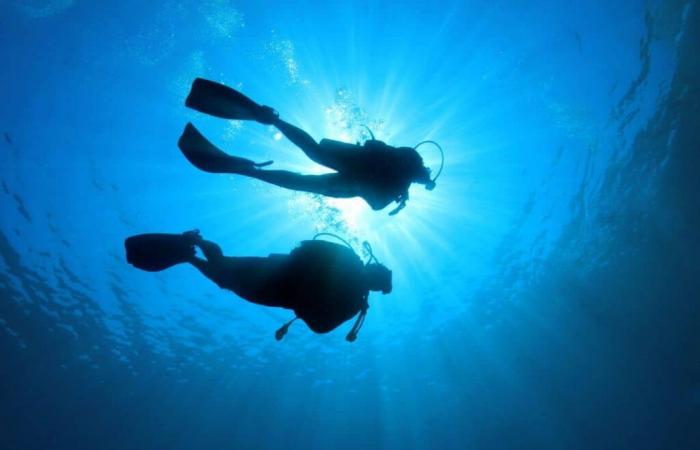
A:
{"points": [[324, 283], [378, 173]]}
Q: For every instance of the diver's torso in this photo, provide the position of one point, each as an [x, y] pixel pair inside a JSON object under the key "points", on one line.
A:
{"points": [[327, 282], [378, 174]]}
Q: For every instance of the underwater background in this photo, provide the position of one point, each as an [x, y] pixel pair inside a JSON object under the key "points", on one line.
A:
{"points": [[546, 293]]}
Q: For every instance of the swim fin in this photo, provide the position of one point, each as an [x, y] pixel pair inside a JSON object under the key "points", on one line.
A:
{"points": [[154, 252], [222, 101], [205, 156]]}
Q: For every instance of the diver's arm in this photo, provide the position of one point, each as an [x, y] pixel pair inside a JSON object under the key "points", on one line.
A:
{"points": [[401, 200], [352, 335]]}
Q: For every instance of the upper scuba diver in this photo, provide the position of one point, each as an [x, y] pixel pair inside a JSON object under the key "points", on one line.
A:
{"points": [[324, 283], [378, 173]]}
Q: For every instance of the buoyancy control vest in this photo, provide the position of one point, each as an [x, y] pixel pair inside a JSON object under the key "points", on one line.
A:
{"points": [[382, 172], [327, 282]]}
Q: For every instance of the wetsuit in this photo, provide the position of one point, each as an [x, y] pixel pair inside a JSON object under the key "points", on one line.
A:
{"points": [[320, 281], [378, 173]]}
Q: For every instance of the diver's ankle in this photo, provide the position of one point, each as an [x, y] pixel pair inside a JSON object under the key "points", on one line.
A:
{"points": [[268, 115], [193, 236]]}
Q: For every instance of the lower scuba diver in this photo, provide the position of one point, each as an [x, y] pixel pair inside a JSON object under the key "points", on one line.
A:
{"points": [[376, 172], [324, 283]]}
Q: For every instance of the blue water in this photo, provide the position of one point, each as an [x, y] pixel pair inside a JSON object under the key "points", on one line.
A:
{"points": [[546, 293]]}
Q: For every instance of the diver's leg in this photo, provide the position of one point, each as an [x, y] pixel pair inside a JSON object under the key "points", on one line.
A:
{"points": [[251, 278], [254, 279], [336, 160], [211, 267], [206, 267], [211, 250], [300, 138], [330, 184]]}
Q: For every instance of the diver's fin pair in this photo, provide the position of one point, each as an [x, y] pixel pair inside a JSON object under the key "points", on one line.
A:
{"points": [[154, 252], [225, 102], [207, 157]]}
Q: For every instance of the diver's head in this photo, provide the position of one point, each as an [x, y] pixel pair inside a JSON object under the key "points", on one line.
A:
{"points": [[423, 177], [416, 169], [378, 278]]}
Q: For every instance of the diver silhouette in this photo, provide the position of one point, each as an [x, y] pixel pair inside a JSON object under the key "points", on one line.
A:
{"points": [[378, 173], [324, 283]]}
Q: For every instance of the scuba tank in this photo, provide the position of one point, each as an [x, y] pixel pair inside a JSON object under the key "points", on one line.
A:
{"points": [[352, 335]]}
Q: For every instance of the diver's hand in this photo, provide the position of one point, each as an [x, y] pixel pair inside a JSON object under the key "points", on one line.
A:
{"points": [[401, 200], [396, 210]]}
